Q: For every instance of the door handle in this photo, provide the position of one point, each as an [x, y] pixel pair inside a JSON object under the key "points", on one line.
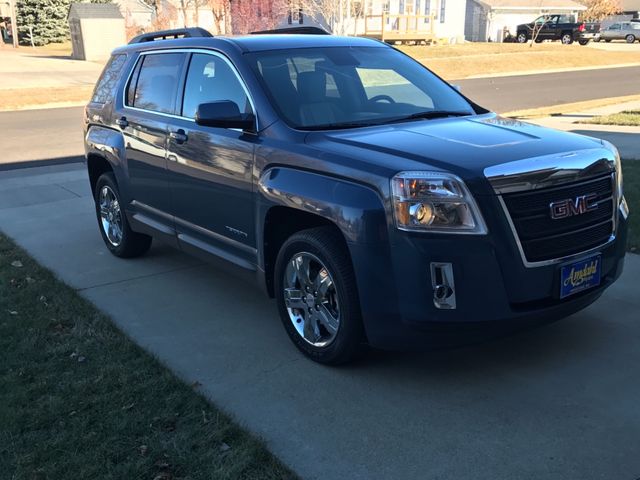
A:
{"points": [[179, 136], [122, 122]]}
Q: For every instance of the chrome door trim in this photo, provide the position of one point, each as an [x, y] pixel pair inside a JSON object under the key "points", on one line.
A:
{"points": [[549, 170], [214, 53], [215, 236]]}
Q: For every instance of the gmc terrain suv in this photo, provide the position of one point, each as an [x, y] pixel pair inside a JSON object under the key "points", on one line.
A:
{"points": [[375, 202]]}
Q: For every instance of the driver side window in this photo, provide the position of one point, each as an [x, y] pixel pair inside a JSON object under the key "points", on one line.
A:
{"points": [[211, 79]]}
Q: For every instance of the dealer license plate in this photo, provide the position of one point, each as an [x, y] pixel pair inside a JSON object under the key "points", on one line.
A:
{"points": [[579, 276]]}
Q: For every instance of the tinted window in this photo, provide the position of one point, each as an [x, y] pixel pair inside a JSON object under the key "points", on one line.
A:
{"points": [[565, 19], [107, 82], [211, 79], [157, 83]]}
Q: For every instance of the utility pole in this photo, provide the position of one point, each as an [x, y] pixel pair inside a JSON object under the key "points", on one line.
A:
{"points": [[14, 25]]}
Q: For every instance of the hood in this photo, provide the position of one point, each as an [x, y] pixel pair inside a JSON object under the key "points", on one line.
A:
{"points": [[465, 146]]}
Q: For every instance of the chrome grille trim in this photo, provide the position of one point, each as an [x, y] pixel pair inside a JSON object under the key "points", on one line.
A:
{"points": [[550, 170], [552, 261]]}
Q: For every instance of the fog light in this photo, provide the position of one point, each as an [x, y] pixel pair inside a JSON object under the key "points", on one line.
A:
{"points": [[444, 289]]}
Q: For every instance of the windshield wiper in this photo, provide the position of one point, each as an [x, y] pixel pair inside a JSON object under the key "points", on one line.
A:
{"points": [[338, 126], [430, 114]]}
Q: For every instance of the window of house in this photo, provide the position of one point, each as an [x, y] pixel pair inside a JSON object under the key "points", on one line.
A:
{"points": [[427, 11], [211, 79], [443, 9], [157, 84]]}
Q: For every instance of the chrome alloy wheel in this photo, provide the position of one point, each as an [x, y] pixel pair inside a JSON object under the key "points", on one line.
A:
{"points": [[311, 299], [110, 215]]}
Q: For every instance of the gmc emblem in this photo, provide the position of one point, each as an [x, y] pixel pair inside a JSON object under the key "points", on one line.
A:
{"points": [[576, 206]]}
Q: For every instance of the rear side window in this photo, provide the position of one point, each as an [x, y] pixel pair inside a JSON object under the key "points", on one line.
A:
{"points": [[107, 82], [157, 83]]}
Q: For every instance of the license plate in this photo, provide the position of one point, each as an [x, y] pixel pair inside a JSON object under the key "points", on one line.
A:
{"points": [[579, 276]]}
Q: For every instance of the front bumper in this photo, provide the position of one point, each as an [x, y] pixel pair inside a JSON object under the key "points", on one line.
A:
{"points": [[495, 291]]}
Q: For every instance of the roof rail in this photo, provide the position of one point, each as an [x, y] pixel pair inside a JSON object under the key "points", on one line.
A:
{"points": [[170, 34], [298, 30]]}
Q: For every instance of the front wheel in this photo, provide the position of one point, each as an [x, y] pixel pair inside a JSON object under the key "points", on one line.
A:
{"points": [[630, 38], [317, 297], [112, 220], [522, 37], [566, 39]]}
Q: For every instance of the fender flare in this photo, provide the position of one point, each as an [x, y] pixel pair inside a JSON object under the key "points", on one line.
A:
{"points": [[108, 144]]}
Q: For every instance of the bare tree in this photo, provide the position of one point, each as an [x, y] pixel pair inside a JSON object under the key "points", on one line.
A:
{"points": [[538, 27], [598, 10], [221, 10]]}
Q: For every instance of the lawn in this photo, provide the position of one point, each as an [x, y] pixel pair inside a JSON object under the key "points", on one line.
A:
{"points": [[627, 117], [79, 400], [631, 177], [454, 62]]}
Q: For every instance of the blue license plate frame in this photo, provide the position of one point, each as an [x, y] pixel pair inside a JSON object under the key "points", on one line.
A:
{"points": [[580, 275]]}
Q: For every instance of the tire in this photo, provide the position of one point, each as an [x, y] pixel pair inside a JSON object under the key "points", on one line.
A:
{"points": [[608, 40], [566, 38], [317, 296], [112, 221], [522, 37], [596, 39], [583, 42], [538, 40], [630, 38]]}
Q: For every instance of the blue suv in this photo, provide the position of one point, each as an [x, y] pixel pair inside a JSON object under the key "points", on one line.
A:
{"points": [[376, 203]]}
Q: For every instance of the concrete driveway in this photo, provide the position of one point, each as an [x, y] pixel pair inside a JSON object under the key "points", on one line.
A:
{"points": [[560, 402]]}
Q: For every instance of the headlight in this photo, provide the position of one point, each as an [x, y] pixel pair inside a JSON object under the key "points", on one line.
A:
{"points": [[434, 202]]}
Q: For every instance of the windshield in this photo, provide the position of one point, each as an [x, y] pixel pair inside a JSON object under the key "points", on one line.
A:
{"points": [[345, 87]]}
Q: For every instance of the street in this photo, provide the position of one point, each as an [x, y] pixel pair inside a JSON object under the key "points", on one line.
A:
{"points": [[506, 94], [555, 403], [57, 133]]}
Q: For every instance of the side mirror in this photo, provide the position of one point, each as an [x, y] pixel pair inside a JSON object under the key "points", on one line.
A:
{"points": [[223, 114]]}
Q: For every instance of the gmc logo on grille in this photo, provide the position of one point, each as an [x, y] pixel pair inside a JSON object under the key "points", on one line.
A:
{"points": [[573, 206]]}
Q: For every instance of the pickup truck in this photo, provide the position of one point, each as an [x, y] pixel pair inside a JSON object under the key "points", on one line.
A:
{"points": [[554, 27]]}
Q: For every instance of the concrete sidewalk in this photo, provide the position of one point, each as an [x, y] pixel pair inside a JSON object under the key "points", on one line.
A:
{"points": [[555, 403], [626, 139]]}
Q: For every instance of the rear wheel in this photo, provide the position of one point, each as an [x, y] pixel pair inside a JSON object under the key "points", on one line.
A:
{"points": [[608, 40], [566, 38], [114, 227], [315, 288], [630, 38], [583, 42]]}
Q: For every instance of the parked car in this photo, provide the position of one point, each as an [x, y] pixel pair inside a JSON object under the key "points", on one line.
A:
{"points": [[627, 31], [373, 200], [553, 27], [591, 31]]}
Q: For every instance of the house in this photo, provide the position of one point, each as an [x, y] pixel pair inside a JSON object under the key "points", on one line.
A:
{"points": [[390, 20], [486, 20]]}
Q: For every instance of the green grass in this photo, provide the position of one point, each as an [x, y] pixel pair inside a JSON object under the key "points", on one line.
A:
{"points": [[631, 177], [79, 400], [627, 117]]}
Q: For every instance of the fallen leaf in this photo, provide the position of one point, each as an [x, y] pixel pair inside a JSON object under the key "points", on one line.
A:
{"points": [[82, 359], [72, 413], [73, 355], [128, 407], [16, 263], [224, 447], [12, 312], [143, 449], [30, 280], [163, 476], [196, 384]]}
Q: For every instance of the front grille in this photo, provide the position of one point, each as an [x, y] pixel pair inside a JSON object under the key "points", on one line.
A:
{"points": [[543, 238]]}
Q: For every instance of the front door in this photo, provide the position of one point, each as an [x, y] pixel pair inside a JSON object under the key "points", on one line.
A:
{"points": [[210, 169], [144, 120]]}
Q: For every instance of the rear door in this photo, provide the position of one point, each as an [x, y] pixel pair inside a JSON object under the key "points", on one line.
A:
{"points": [[149, 106], [210, 169]]}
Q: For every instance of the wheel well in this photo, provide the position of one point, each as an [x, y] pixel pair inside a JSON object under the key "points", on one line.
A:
{"points": [[97, 165], [280, 223]]}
